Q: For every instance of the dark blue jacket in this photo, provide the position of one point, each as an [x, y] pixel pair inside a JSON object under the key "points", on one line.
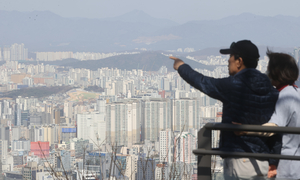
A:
{"points": [[248, 97]]}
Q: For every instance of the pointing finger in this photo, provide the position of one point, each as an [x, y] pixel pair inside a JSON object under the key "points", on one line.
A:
{"points": [[174, 58]]}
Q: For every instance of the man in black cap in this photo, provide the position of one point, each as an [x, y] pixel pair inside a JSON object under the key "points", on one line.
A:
{"points": [[248, 97]]}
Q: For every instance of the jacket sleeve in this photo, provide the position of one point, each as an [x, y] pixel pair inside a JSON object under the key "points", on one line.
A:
{"points": [[274, 143], [215, 88]]}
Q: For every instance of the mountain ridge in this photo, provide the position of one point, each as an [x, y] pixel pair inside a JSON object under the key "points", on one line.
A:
{"points": [[46, 31], [148, 61]]}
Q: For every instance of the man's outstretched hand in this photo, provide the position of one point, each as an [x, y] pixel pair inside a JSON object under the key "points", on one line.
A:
{"points": [[177, 62]]}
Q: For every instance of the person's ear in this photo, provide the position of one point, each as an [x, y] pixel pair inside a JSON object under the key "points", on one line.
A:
{"points": [[239, 62]]}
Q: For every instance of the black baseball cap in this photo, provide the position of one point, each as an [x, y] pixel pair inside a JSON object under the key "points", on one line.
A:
{"points": [[243, 48]]}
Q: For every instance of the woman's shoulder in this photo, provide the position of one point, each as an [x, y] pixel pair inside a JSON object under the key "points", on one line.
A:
{"points": [[289, 96], [291, 90]]}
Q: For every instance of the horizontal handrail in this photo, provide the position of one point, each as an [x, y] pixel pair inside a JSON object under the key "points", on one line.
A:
{"points": [[244, 154], [253, 128], [205, 150]]}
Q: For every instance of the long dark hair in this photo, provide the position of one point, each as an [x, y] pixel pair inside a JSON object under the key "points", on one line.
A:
{"points": [[282, 68]]}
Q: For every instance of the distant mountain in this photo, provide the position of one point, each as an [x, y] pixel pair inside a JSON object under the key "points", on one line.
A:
{"points": [[279, 31], [138, 16], [148, 61], [46, 31]]}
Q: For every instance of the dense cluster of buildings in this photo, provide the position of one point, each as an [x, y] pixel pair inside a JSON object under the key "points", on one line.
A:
{"points": [[14, 52], [141, 125]]}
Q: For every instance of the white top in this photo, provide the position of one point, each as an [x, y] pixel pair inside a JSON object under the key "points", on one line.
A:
{"points": [[287, 114]]}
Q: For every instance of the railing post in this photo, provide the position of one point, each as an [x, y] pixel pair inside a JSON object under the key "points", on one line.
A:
{"points": [[204, 162]]}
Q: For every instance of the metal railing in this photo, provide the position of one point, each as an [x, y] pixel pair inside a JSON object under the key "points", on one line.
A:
{"points": [[205, 150]]}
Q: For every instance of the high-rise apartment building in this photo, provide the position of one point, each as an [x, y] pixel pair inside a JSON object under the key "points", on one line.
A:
{"points": [[3, 149], [18, 109], [91, 126], [131, 166], [27, 81], [120, 87], [6, 53], [166, 84], [18, 52], [123, 122], [68, 112], [186, 113], [16, 133], [184, 144], [156, 116], [57, 116], [48, 134], [166, 142]]}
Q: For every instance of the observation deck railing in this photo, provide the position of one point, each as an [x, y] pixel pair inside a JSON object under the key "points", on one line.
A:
{"points": [[205, 149]]}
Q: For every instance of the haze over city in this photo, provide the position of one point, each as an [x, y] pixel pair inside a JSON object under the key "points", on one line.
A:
{"points": [[175, 10], [87, 88]]}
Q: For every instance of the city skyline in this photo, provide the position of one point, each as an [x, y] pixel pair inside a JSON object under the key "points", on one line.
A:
{"points": [[106, 115], [87, 88], [126, 114]]}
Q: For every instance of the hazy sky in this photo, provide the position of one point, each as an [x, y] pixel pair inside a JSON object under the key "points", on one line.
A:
{"points": [[177, 10]]}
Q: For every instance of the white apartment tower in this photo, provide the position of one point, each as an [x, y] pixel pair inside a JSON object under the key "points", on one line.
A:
{"points": [[166, 139], [68, 111], [101, 105], [156, 116], [123, 122], [6, 54], [184, 145], [18, 52], [3, 149], [186, 113], [28, 81], [91, 126]]}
